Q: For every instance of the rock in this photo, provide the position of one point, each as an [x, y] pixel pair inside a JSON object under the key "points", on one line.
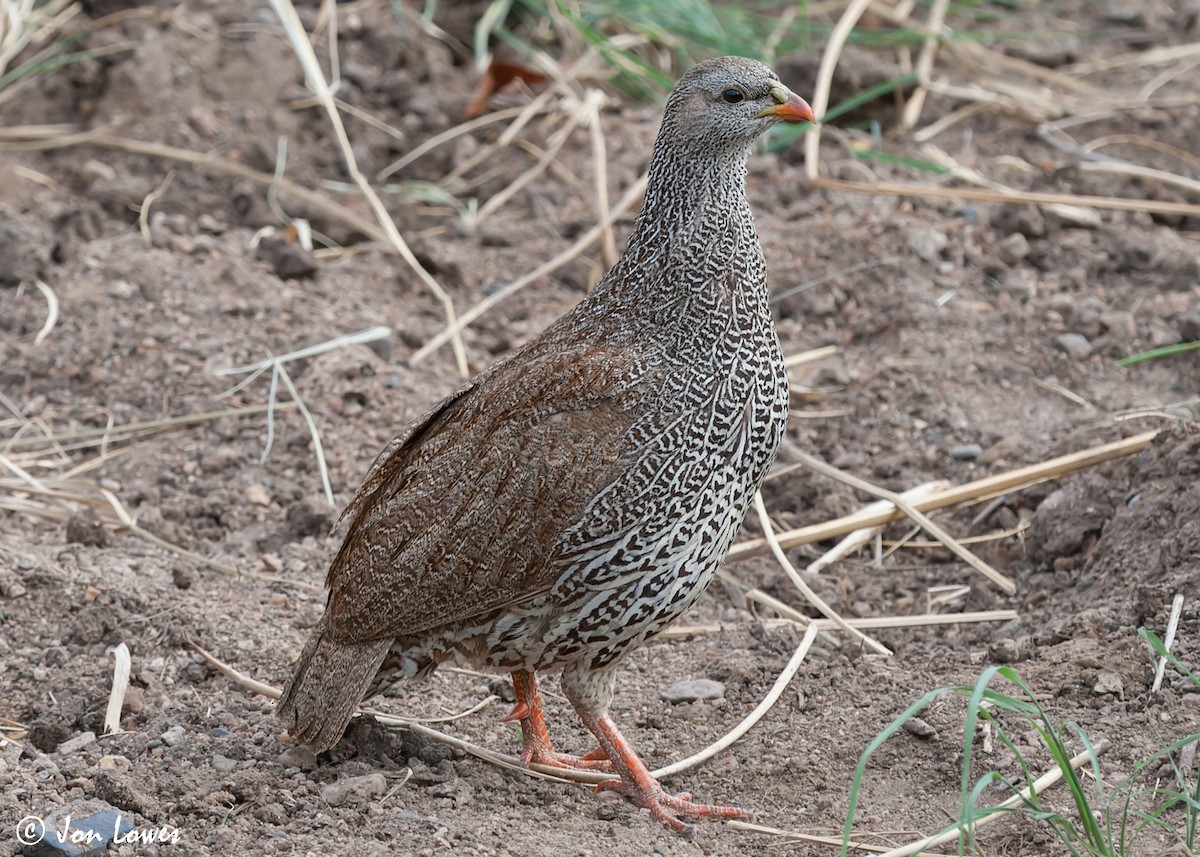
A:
{"points": [[1109, 682], [287, 259], [690, 691], [966, 452], [927, 243], [85, 836], [920, 728], [1075, 345], [116, 789], [85, 528], [1013, 249], [74, 745], [223, 764], [115, 763], [354, 790], [182, 578], [1189, 327], [172, 736], [256, 495], [1004, 652], [298, 757]]}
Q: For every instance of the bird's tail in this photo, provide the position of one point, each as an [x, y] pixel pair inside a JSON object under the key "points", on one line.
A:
{"points": [[327, 687]]}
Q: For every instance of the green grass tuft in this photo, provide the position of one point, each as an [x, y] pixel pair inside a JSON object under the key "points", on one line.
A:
{"points": [[1106, 821]]}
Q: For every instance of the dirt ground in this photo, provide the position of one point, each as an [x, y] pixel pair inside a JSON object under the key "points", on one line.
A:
{"points": [[955, 346]]}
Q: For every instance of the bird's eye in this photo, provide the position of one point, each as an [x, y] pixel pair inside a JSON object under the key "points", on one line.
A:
{"points": [[732, 96]]}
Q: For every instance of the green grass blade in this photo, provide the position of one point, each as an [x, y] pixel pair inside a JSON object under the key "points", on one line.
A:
{"points": [[1159, 353], [877, 742]]}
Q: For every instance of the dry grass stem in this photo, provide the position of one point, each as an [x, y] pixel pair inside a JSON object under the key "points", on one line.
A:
{"points": [[454, 133], [1168, 641], [1039, 785], [913, 513], [581, 244], [813, 355], [1018, 197], [303, 49], [51, 312], [608, 241], [861, 537], [807, 591], [92, 437], [873, 623], [580, 114], [794, 836], [781, 683], [993, 485], [820, 97], [912, 110], [122, 664], [147, 202]]}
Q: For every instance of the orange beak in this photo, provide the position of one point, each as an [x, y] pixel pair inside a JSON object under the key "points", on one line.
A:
{"points": [[791, 107]]}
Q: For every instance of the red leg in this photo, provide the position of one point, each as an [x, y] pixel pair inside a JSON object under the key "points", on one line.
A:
{"points": [[536, 737], [638, 785]]}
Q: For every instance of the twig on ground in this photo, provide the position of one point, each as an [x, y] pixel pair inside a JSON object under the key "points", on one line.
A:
{"points": [[122, 664], [1168, 641], [973, 491], [806, 590], [917, 517]]}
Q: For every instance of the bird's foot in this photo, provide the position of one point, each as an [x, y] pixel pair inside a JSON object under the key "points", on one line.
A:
{"points": [[535, 738], [671, 809]]}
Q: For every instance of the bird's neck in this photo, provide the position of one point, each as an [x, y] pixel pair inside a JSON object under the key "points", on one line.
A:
{"points": [[685, 196]]}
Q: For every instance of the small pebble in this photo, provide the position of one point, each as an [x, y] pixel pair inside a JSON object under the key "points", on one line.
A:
{"points": [[1013, 249], [85, 527], [115, 763], [1075, 345], [690, 691], [927, 243], [218, 732], [1109, 682], [172, 736], [74, 745], [225, 765], [966, 452], [1004, 652], [182, 578], [920, 728]]}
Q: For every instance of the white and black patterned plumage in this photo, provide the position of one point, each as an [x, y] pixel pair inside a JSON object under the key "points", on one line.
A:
{"points": [[577, 497]]}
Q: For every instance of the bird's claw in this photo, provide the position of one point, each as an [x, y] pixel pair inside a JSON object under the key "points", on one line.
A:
{"points": [[593, 761], [671, 809]]}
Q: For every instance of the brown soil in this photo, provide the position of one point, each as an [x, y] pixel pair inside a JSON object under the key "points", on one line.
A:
{"points": [[952, 339]]}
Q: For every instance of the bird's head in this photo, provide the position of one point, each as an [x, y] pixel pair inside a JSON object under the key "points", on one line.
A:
{"points": [[728, 102]]}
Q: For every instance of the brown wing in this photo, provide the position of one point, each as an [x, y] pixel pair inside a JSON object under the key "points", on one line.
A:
{"points": [[457, 517]]}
